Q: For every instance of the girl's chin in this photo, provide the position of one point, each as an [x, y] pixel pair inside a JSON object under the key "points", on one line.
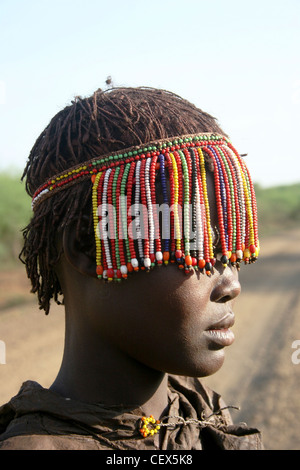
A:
{"points": [[210, 363]]}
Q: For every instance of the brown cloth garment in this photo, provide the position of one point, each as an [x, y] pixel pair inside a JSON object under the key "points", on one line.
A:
{"points": [[39, 419]]}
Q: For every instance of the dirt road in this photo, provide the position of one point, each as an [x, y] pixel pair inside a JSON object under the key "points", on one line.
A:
{"points": [[258, 374]]}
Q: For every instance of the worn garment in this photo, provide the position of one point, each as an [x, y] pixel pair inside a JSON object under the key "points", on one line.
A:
{"points": [[40, 419]]}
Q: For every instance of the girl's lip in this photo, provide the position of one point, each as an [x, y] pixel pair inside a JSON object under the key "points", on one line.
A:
{"points": [[227, 321], [219, 333], [222, 337]]}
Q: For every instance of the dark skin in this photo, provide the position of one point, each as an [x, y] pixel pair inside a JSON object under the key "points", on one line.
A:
{"points": [[123, 338]]}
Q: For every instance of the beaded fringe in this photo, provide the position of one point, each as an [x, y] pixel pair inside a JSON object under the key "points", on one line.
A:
{"points": [[133, 231]]}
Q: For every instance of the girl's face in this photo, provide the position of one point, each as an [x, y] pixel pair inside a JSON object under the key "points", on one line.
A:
{"points": [[171, 321]]}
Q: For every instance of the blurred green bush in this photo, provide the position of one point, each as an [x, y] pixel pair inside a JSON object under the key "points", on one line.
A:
{"points": [[278, 208], [15, 212]]}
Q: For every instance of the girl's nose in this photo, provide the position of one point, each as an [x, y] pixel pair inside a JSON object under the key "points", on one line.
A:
{"points": [[227, 287]]}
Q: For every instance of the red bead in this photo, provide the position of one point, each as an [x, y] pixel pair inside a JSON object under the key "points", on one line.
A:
{"points": [[110, 273]]}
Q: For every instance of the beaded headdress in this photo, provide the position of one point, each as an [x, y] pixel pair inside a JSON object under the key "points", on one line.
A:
{"points": [[134, 229]]}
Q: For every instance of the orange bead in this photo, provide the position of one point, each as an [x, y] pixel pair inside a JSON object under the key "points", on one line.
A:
{"points": [[188, 260], [233, 258], [99, 270], [201, 263], [129, 267]]}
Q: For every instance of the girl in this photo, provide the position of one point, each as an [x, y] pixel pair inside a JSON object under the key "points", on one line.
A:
{"points": [[142, 213]]}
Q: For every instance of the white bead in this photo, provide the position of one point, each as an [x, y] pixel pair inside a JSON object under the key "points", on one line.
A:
{"points": [[147, 262], [134, 262], [239, 254], [159, 256], [123, 269]]}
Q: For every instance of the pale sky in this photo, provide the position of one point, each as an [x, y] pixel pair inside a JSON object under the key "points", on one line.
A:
{"points": [[237, 60]]}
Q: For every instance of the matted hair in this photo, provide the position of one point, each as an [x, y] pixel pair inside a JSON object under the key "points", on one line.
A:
{"points": [[107, 121]]}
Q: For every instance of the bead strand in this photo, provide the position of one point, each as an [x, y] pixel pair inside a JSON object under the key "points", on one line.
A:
{"points": [[186, 211], [172, 246], [99, 268], [104, 232], [144, 189], [208, 245], [158, 252], [112, 266], [123, 207], [137, 210], [165, 222], [177, 232], [117, 226]]}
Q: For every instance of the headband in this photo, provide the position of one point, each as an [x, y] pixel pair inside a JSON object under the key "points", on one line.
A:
{"points": [[135, 230]]}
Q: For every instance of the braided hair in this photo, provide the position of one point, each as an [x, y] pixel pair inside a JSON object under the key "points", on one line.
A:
{"points": [[105, 122]]}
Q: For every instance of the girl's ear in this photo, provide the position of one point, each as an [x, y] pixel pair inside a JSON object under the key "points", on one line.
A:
{"points": [[77, 252]]}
